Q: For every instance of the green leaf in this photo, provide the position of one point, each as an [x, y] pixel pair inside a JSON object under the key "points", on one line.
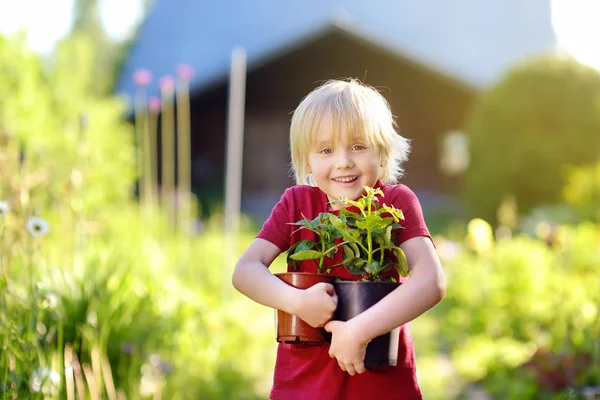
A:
{"points": [[344, 230], [348, 252], [297, 247], [397, 215], [362, 225], [387, 236], [360, 203], [372, 192], [337, 223], [385, 222], [373, 221], [402, 266], [373, 268], [349, 215], [303, 245], [306, 255], [355, 266]]}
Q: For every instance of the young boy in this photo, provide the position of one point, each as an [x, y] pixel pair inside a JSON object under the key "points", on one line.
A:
{"points": [[343, 138]]}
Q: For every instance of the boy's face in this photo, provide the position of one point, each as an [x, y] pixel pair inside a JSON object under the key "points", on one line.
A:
{"points": [[342, 166]]}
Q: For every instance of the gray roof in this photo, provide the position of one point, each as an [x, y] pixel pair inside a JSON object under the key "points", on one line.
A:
{"points": [[471, 41]]}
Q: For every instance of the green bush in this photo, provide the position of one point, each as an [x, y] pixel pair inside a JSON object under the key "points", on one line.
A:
{"points": [[542, 115], [582, 191], [110, 297], [521, 317]]}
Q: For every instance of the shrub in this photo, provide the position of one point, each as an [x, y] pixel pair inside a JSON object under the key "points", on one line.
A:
{"points": [[522, 317], [582, 191], [544, 114]]}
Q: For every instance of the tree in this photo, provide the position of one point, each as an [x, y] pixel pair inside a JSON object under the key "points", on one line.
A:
{"points": [[108, 54], [543, 115]]}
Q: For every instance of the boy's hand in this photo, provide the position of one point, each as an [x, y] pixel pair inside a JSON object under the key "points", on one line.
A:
{"points": [[316, 304], [346, 348]]}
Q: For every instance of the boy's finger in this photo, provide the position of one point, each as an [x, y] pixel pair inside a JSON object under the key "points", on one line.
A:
{"points": [[360, 368], [329, 288], [350, 369], [329, 325], [335, 299]]}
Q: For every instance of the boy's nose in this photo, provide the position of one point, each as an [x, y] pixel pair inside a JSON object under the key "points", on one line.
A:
{"points": [[344, 160]]}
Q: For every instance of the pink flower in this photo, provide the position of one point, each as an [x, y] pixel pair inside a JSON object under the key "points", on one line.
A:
{"points": [[185, 71], [142, 77], [154, 104], [167, 84]]}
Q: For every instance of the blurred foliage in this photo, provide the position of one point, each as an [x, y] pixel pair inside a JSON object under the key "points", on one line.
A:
{"points": [[108, 54], [521, 314], [582, 191], [110, 299], [543, 115]]}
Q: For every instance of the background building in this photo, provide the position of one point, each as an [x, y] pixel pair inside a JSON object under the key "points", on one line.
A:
{"points": [[428, 61]]}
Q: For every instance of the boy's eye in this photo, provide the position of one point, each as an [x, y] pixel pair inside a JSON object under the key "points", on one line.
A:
{"points": [[358, 147], [326, 151]]}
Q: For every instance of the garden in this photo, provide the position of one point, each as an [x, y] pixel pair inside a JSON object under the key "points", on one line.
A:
{"points": [[101, 297]]}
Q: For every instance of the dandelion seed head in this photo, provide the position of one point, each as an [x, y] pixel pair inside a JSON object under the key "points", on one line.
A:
{"points": [[92, 318], [4, 208], [45, 381], [37, 226], [84, 121], [36, 384], [41, 328], [155, 360]]}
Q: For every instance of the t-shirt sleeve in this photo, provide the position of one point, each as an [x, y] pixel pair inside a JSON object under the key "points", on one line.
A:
{"points": [[414, 223], [276, 228]]}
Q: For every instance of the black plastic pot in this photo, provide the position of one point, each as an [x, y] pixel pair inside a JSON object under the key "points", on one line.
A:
{"points": [[354, 297]]}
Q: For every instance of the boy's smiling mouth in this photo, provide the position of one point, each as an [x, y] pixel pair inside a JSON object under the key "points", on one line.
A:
{"points": [[345, 179]]}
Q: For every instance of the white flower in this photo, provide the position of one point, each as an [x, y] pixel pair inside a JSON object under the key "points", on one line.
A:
{"points": [[4, 208], [45, 381], [37, 226]]}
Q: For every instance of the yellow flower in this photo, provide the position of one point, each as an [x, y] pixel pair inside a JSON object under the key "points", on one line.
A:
{"points": [[480, 236]]}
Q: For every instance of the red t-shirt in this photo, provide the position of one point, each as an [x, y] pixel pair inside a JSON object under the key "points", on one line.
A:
{"points": [[307, 372]]}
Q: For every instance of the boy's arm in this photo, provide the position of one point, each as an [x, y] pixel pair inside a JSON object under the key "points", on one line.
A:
{"points": [[425, 288], [252, 278]]}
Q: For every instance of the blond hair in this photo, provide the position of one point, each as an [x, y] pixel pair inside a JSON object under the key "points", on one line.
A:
{"points": [[354, 108]]}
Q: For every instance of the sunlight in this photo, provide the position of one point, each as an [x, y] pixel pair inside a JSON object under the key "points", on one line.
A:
{"points": [[44, 22], [50, 21], [577, 30]]}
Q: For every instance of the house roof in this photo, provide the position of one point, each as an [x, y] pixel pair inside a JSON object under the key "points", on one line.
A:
{"points": [[469, 41]]}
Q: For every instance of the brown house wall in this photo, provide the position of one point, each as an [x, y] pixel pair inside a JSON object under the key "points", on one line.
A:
{"points": [[425, 105]]}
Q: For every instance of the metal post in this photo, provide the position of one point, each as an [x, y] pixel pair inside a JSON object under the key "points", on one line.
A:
{"points": [[234, 159]]}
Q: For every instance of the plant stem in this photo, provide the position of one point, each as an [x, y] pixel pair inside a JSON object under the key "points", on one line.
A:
{"points": [[4, 356], [322, 259], [167, 143], [61, 351], [183, 154], [369, 244]]}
